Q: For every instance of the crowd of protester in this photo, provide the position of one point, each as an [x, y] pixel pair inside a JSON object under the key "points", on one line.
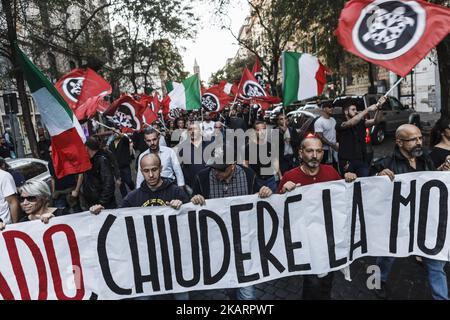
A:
{"points": [[150, 168]]}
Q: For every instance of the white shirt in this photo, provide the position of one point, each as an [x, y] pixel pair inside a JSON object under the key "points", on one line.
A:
{"points": [[208, 129], [162, 141], [170, 166], [328, 128], [7, 188]]}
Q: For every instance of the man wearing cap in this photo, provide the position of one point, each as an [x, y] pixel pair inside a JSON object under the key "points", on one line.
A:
{"points": [[224, 178], [325, 130]]}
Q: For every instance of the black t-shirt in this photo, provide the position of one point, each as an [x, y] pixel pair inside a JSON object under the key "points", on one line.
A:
{"points": [[351, 141], [64, 183], [254, 151], [5, 152], [438, 156]]}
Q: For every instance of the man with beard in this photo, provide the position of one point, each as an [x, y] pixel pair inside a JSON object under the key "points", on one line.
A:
{"points": [[351, 138], [170, 165], [191, 153], [408, 156], [315, 287]]}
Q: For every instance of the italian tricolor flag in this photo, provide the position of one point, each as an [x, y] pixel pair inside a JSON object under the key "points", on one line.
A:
{"points": [[69, 155], [303, 77], [186, 95]]}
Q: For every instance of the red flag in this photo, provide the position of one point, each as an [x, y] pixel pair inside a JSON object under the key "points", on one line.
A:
{"points": [[155, 103], [165, 106], [215, 99], [81, 84], [257, 72], [148, 117], [126, 113], [249, 88], [228, 88], [394, 34], [91, 106]]}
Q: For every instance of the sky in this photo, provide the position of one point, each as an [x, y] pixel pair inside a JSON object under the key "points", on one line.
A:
{"points": [[212, 46]]}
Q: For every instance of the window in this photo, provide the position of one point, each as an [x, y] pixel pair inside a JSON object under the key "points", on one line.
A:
{"points": [[396, 105], [53, 68], [31, 170]]}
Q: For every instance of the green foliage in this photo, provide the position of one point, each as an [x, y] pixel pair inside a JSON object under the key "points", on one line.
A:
{"points": [[233, 71]]}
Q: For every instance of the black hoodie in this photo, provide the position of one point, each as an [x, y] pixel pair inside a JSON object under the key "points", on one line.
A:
{"points": [[145, 197]]}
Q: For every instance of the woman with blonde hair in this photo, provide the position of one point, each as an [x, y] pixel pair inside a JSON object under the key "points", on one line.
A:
{"points": [[34, 199]]}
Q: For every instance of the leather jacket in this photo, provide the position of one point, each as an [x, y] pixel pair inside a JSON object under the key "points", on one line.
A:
{"points": [[98, 182], [398, 164]]}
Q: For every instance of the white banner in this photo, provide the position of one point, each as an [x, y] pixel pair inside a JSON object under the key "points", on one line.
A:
{"points": [[228, 243]]}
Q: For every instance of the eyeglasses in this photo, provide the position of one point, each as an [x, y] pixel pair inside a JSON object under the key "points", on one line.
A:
{"points": [[29, 198], [413, 139]]}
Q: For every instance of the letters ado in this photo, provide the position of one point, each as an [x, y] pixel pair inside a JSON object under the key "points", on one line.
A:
{"points": [[199, 222]]}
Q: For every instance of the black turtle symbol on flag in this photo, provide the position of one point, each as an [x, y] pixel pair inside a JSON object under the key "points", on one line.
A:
{"points": [[387, 29], [253, 89], [72, 88], [125, 117], [210, 102]]}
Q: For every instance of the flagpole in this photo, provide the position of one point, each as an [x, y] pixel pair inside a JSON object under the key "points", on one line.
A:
{"points": [[110, 128], [149, 125], [393, 87]]}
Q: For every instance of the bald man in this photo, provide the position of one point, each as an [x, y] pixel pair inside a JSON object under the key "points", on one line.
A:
{"points": [[155, 190], [312, 171], [409, 156]]}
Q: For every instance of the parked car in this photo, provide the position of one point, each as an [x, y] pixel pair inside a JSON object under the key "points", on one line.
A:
{"points": [[270, 116], [303, 121], [31, 168], [394, 113], [307, 107]]}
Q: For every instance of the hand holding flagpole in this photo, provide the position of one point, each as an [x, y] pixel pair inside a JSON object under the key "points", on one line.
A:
{"points": [[394, 86]]}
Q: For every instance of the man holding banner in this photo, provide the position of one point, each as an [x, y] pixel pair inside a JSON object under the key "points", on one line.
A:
{"points": [[408, 156], [312, 171], [224, 178]]}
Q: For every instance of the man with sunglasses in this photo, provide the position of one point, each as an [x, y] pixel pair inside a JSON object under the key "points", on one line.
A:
{"points": [[409, 156], [224, 178]]}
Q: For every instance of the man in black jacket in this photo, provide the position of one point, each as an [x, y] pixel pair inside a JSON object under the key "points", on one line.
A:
{"points": [[408, 156], [98, 182], [120, 148]]}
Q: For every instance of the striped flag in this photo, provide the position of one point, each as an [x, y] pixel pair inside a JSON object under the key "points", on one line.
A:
{"points": [[69, 155], [303, 77], [187, 95]]}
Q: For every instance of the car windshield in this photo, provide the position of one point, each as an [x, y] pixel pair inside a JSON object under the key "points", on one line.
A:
{"points": [[30, 170]]}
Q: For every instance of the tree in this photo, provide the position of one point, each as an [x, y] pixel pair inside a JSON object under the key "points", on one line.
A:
{"points": [[44, 29], [232, 72], [279, 21], [10, 14]]}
